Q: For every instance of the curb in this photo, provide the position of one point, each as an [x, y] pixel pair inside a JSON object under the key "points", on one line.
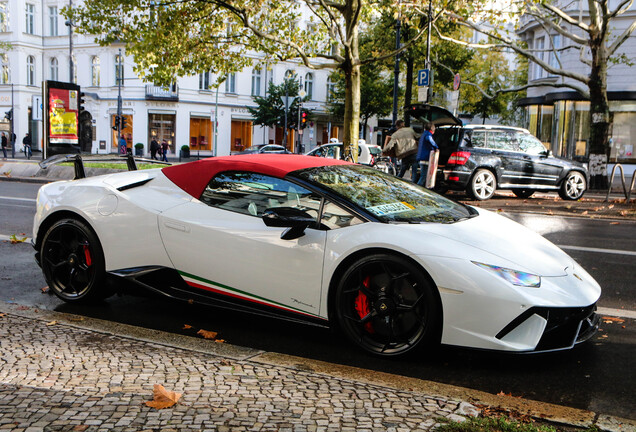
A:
{"points": [[540, 411]]}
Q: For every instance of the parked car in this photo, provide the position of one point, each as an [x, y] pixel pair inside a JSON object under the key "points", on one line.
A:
{"points": [[390, 263], [481, 159], [367, 153], [265, 148]]}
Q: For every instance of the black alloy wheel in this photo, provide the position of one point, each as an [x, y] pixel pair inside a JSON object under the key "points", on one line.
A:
{"points": [[73, 262], [387, 306], [523, 193]]}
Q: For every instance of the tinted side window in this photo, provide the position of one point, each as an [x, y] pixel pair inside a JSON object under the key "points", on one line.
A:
{"points": [[251, 194], [478, 139], [503, 140], [529, 144]]}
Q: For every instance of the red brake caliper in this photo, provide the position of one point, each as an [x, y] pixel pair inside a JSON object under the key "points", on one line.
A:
{"points": [[87, 255], [361, 305]]}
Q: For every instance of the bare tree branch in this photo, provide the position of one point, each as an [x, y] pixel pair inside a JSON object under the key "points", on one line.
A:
{"points": [[507, 43], [621, 39], [565, 17], [623, 7], [546, 19]]}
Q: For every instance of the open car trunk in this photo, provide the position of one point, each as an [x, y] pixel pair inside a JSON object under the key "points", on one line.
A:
{"points": [[448, 138]]}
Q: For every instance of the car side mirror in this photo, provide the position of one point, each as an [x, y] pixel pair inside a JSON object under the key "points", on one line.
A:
{"points": [[547, 153], [295, 220]]}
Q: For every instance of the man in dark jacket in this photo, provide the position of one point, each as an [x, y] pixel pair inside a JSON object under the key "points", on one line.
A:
{"points": [[154, 146], [426, 146], [26, 141], [4, 146]]}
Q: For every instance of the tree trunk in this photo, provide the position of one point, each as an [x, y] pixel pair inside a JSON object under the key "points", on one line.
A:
{"points": [[600, 117], [408, 91], [351, 70]]}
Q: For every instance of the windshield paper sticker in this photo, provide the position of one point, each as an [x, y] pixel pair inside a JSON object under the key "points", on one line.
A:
{"points": [[386, 209]]}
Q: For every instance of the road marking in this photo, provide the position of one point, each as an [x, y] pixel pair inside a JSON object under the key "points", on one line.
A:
{"points": [[620, 313], [8, 238], [589, 249], [18, 199]]}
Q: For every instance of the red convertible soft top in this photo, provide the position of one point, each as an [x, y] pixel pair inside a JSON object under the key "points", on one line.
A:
{"points": [[193, 177]]}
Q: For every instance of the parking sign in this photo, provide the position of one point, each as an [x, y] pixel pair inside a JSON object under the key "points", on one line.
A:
{"points": [[422, 77]]}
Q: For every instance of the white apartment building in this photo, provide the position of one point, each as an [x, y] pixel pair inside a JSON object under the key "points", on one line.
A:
{"points": [[183, 114], [559, 117]]}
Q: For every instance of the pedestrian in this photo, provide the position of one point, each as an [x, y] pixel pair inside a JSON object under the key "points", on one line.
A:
{"points": [[26, 142], [4, 146], [164, 150], [403, 145], [425, 149], [123, 146], [154, 146]]}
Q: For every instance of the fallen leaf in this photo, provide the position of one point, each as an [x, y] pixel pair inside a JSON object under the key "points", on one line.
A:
{"points": [[80, 428], [219, 340], [186, 327], [190, 301], [549, 212], [610, 320], [163, 398], [76, 319], [51, 323], [584, 213], [13, 239], [44, 290], [23, 308], [207, 334], [2, 315], [610, 206], [614, 223], [598, 208]]}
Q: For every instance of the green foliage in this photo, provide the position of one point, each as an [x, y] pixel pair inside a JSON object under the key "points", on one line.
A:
{"points": [[270, 110], [491, 424], [139, 146]]}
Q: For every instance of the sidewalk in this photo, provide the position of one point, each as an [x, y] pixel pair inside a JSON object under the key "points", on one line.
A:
{"points": [[64, 372]]}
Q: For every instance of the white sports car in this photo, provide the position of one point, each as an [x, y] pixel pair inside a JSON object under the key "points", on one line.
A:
{"points": [[392, 264]]}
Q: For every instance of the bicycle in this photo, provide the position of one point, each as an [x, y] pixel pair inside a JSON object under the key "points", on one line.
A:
{"points": [[384, 164]]}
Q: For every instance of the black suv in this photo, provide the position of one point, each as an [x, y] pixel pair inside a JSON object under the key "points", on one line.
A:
{"points": [[482, 158]]}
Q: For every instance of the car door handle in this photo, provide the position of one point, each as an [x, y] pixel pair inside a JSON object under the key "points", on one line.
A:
{"points": [[177, 226]]}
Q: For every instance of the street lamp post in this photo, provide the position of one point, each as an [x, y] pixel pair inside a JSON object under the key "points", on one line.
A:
{"points": [[396, 72], [428, 52], [69, 23]]}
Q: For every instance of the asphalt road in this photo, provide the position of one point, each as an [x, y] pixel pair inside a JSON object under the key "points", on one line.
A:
{"points": [[598, 375]]}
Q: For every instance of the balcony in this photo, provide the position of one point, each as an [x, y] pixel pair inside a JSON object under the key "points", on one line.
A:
{"points": [[170, 93]]}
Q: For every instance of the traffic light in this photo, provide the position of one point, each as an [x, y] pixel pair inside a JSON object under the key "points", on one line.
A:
{"points": [[9, 114], [123, 122], [304, 116], [116, 125], [81, 102]]}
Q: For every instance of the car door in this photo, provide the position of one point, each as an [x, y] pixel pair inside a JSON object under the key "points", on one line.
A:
{"points": [[546, 170], [220, 244], [504, 145]]}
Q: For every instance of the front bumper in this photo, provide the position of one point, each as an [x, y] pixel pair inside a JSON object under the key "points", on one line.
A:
{"points": [[563, 327]]}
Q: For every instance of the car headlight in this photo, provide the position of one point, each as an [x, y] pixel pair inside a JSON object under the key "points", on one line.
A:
{"points": [[515, 277]]}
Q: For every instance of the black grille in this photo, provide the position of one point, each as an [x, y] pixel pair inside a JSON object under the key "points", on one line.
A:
{"points": [[565, 327]]}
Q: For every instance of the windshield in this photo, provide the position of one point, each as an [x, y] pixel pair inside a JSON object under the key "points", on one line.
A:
{"points": [[389, 198]]}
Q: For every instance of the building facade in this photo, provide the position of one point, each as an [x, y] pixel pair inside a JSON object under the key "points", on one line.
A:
{"points": [[560, 117], [183, 115]]}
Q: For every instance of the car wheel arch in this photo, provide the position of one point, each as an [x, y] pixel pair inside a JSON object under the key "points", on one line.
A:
{"points": [[55, 217], [349, 260]]}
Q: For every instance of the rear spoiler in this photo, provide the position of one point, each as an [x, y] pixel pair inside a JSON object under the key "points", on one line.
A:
{"points": [[79, 159]]}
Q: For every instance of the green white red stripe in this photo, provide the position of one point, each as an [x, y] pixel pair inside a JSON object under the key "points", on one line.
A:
{"points": [[218, 288]]}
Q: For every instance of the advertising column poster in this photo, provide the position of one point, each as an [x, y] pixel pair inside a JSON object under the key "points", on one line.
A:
{"points": [[62, 117]]}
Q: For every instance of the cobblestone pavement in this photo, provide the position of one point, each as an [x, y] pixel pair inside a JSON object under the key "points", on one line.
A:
{"points": [[54, 377]]}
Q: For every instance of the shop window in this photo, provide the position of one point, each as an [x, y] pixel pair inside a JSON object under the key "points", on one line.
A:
{"points": [[241, 137], [623, 137], [162, 127], [200, 133], [126, 132]]}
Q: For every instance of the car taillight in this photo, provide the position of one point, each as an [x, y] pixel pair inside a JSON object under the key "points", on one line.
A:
{"points": [[458, 158]]}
